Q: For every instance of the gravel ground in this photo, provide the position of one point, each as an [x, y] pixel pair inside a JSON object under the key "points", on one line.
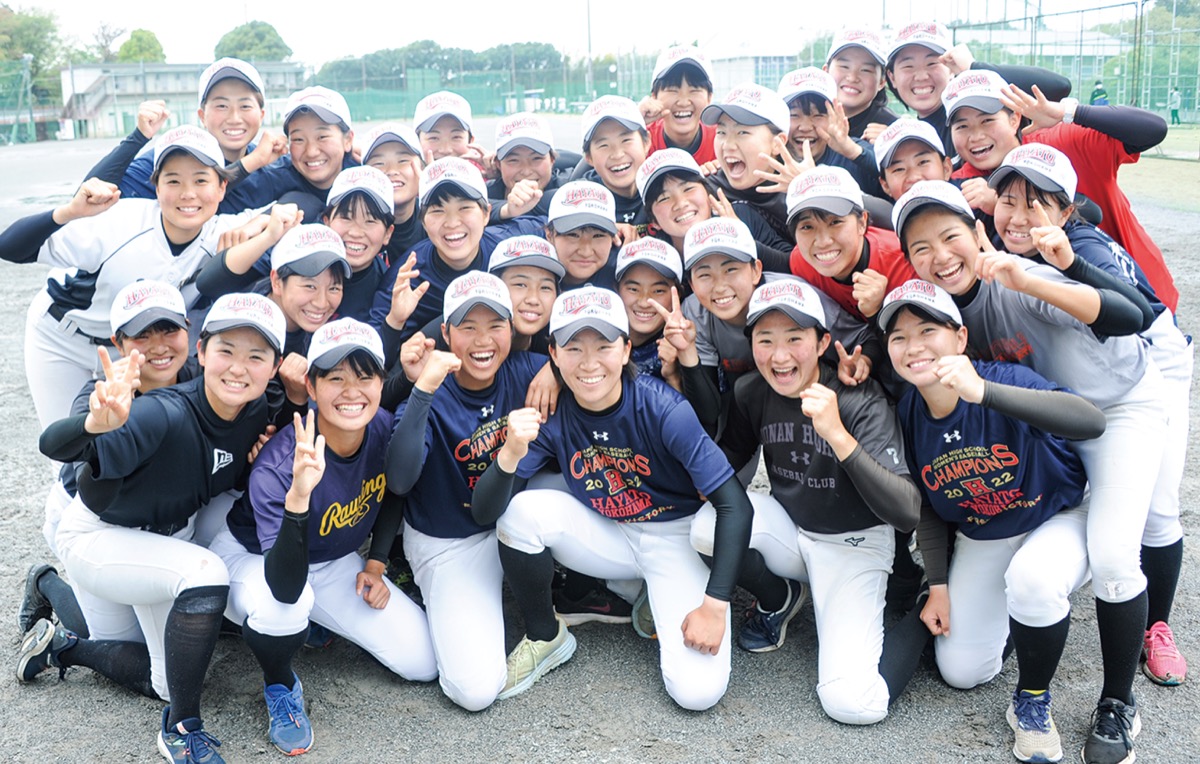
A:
{"points": [[608, 703]]}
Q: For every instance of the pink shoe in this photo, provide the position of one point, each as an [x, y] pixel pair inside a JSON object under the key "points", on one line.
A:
{"points": [[1163, 663]]}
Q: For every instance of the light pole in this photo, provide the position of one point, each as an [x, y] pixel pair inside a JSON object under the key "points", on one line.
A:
{"points": [[589, 84]]}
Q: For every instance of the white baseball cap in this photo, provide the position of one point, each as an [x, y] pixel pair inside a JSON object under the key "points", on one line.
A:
{"points": [[920, 294], [246, 309], [523, 129], [1044, 166], [826, 188], [201, 144], [526, 250], [329, 106], [662, 162], [455, 171], [653, 252], [443, 103], [681, 54], [335, 340], [727, 236], [807, 80], [750, 104], [793, 297], [475, 288], [977, 88], [905, 129], [229, 68], [588, 307], [867, 39], [582, 203], [617, 108], [365, 180], [927, 34], [308, 249], [925, 192], [146, 302], [391, 132]]}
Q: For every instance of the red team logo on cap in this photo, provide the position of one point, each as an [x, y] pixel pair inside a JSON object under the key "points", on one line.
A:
{"points": [[317, 235], [573, 304], [346, 331], [782, 288], [252, 304], [441, 99], [746, 95], [137, 296], [521, 123], [918, 29], [533, 246], [573, 197], [467, 283], [1033, 154], [811, 179], [966, 81], [713, 229]]}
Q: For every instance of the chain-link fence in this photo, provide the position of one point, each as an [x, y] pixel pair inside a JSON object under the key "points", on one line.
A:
{"points": [[30, 106]]}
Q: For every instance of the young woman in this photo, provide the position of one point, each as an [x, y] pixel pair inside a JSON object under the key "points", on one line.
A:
{"points": [[126, 541], [1018, 513], [1038, 317], [635, 459], [856, 60], [93, 255], [524, 166], [446, 435], [1036, 190], [680, 89], [395, 150], [317, 490]]}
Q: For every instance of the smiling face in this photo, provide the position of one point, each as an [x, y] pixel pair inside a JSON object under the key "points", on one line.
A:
{"points": [[188, 192], [829, 243], [307, 301], [942, 249], [346, 398], [583, 252], [858, 77], [482, 340], [233, 113], [455, 226], [363, 234], [238, 364], [919, 77], [785, 354], [617, 152], [682, 104], [724, 284], [915, 344], [804, 121], [681, 203], [592, 368], [447, 138], [402, 168], [640, 287], [913, 161], [983, 139], [739, 148], [523, 163], [532, 291], [165, 348], [1016, 215], [317, 148]]}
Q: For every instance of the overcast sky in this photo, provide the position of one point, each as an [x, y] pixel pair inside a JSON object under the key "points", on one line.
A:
{"points": [[189, 33]]}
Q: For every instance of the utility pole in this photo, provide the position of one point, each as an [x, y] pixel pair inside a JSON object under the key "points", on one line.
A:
{"points": [[590, 84]]}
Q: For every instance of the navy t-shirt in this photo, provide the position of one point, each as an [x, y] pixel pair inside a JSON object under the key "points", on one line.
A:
{"points": [[992, 475], [463, 432], [646, 460], [343, 507]]}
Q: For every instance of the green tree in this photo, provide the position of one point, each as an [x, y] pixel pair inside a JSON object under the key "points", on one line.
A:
{"points": [[253, 41], [142, 45], [34, 32]]}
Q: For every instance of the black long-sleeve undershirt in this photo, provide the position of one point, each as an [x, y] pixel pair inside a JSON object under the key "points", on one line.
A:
{"points": [[112, 167], [1139, 130], [1123, 309], [21, 241], [285, 564], [1054, 411], [893, 498], [405, 455]]}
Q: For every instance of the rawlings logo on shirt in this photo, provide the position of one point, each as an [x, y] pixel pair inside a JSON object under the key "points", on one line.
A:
{"points": [[339, 516]]}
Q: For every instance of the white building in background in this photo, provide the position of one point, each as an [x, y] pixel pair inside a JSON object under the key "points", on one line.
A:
{"points": [[101, 100]]}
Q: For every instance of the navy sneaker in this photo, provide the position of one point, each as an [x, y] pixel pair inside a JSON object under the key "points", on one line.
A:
{"points": [[40, 649], [35, 606], [290, 730], [1114, 726], [187, 742], [597, 605], [318, 637], [764, 632]]}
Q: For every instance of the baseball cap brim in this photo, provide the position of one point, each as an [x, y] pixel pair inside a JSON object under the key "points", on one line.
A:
{"points": [[886, 159], [834, 205], [662, 268], [874, 53], [579, 220], [325, 115], [606, 330], [200, 156], [229, 324], [1040, 180], [460, 313], [657, 177], [982, 103], [717, 250], [432, 119], [741, 115], [468, 191], [229, 73], [625, 123], [390, 137], [801, 319], [938, 49], [380, 202], [147, 318], [537, 261], [538, 147], [904, 213], [312, 265], [334, 356], [889, 311]]}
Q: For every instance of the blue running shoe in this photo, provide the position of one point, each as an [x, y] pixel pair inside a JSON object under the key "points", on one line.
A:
{"points": [[40, 648], [187, 742], [764, 632], [290, 731]]}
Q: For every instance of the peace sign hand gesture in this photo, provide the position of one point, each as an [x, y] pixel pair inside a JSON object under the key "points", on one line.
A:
{"points": [[308, 464], [1051, 240], [786, 169], [853, 368], [109, 403], [679, 331]]}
